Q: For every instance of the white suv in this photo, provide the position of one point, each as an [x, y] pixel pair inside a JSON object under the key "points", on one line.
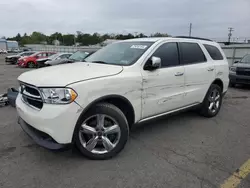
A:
{"points": [[93, 104]]}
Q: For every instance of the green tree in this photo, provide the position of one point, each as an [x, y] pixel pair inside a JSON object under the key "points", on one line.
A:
{"points": [[68, 39]]}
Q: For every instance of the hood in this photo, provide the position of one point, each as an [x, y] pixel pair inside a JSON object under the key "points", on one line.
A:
{"points": [[62, 75], [11, 56], [243, 65], [24, 57]]}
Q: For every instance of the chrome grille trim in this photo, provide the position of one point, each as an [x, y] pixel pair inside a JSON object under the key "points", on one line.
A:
{"points": [[29, 98]]}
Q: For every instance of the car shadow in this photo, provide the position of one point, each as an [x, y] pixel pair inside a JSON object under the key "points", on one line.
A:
{"points": [[241, 86]]}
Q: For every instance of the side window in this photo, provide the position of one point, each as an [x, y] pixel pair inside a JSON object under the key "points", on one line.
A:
{"points": [[214, 52], [191, 53], [168, 53]]}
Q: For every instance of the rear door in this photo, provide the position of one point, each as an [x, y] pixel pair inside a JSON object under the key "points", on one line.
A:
{"points": [[199, 71]]}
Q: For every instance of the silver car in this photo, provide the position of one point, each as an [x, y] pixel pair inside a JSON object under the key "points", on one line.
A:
{"points": [[54, 59]]}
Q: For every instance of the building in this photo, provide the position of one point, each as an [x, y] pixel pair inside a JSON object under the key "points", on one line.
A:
{"points": [[3, 44], [12, 45]]}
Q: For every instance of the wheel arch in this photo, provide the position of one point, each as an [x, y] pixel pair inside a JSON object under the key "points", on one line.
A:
{"points": [[119, 101], [219, 82]]}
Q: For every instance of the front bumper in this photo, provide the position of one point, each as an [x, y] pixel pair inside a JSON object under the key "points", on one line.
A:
{"points": [[22, 63], [39, 137], [57, 121], [239, 79]]}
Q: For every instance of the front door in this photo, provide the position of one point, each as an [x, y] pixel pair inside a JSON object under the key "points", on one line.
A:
{"points": [[163, 88]]}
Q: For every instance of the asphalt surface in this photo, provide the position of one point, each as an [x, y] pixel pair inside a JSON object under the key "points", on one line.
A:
{"points": [[184, 150]]}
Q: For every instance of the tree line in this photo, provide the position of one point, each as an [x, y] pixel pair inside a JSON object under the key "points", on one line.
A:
{"points": [[83, 39]]}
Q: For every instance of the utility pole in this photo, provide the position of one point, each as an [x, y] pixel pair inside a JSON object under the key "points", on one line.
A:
{"points": [[190, 29], [230, 29]]}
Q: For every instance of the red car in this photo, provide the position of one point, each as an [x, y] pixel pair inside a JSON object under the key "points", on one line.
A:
{"points": [[30, 61]]}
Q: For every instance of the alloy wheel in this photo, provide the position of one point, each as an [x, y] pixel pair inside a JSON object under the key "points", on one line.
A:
{"points": [[214, 101], [99, 134]]}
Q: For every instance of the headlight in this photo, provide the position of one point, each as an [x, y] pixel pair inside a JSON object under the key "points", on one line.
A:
{"points": [[232, 69], [58, 95]]}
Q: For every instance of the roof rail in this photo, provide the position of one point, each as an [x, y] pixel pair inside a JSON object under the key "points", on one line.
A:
{"points": [[187, 37]]}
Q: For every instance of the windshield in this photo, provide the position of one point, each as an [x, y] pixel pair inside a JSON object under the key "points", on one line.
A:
{"points": [[246, 59], [121, 53], [79, 56]]}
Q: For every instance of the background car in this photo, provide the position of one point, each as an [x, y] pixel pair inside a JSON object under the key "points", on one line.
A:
{"points": [[77, 56], [13, 58], [30, 61], [54, 59], [240, 71], [3, 51]]}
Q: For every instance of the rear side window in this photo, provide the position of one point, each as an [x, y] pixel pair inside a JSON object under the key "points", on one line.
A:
{"points": [[168, 53], [214, 52], [191, 53]]}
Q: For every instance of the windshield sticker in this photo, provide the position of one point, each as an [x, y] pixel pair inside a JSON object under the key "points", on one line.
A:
{"points": [[142, 47]]}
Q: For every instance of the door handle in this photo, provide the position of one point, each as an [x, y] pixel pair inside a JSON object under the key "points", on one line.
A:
{"points": [[210, 69], [179, 73]]}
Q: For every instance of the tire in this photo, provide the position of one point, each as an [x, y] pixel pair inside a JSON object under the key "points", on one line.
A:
{"points": [[102, 150], [31, 65], [206, 109]]}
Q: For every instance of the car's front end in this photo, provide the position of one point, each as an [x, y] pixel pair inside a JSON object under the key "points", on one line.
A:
{"points": [[47, 114], [239, 72], [21, 62], [41, 62], [12, 59], [47, 106], [239, 75]]}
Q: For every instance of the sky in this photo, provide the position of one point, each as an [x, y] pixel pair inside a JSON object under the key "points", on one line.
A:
{"points": [[210, 18]]}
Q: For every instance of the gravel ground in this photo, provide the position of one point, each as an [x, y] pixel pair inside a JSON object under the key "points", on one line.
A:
{"points": [[183, 150]]}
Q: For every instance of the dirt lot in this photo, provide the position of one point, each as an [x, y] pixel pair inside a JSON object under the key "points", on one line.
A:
{"points": [[183, 150]]}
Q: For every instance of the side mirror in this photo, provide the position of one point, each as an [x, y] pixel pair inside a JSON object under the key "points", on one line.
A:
{"points": [[236, 62], [153, 63]]}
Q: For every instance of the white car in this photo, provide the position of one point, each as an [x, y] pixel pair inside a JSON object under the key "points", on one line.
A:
{"points": [[93, 104]]}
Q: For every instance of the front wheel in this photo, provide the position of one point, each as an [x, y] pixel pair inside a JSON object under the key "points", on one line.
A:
{"points": [[212, 102], [31, 65], [102, 132]]}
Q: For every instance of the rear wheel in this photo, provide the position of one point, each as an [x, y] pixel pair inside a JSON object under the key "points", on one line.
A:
{"points": [[212, 101], [102, 132]]}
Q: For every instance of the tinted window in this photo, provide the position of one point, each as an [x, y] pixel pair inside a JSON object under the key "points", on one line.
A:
{"points": [[191, 53], [214, 52], [168, 53]]}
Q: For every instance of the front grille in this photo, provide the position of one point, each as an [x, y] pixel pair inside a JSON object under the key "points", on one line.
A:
{"points": [[31, 96], [243, 71]]}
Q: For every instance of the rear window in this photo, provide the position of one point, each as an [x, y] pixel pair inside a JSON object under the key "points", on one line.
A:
{"points": [[191, 53], [214, 52]]}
